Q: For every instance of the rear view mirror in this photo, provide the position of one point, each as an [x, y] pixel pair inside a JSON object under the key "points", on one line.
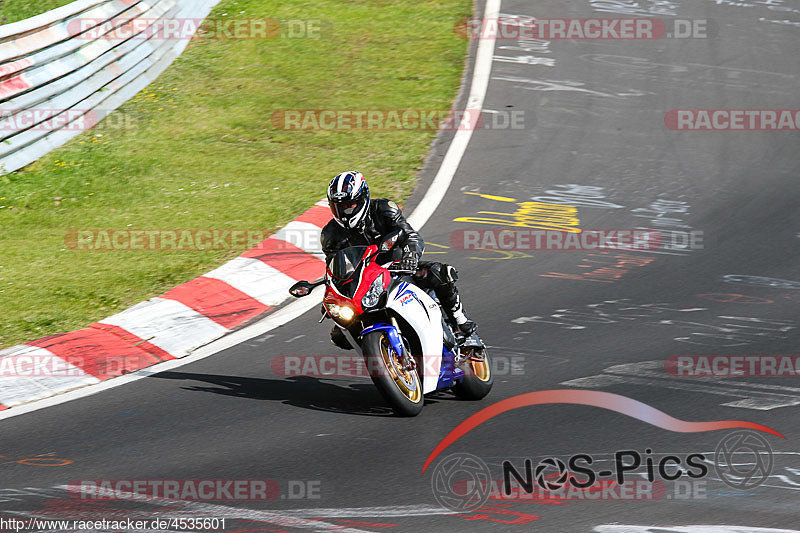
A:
{"points": [[390, 240], [300, 289]]}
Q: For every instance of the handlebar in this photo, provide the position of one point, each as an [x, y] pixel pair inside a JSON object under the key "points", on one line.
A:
{"points": [[402, 271]]}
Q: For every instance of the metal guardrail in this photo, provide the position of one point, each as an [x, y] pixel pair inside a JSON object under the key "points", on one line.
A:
{"points": [[67, 69]]}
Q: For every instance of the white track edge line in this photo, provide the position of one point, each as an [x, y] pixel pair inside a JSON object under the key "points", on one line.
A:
{"points": [[458, 146]]}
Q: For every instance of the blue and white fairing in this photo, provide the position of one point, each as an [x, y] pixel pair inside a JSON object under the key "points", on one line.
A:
{"points": [[425, 316]]}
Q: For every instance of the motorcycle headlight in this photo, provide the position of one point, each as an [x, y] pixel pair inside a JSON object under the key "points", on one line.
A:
{"points": [[342, 312], [373, 294]]}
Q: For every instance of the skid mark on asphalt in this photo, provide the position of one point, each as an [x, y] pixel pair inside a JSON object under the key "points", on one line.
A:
{"points": [[502, 255], [718, 331], [62, 498], [42, 459], [526, 60], [760, 281], [619, 528], [530, 84], [610, 271], [762, 397], [203, 509], [529, 353], [606, 312]]}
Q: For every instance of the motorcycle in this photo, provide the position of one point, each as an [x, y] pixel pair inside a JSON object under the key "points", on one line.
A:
{"points": [[408, 347]]}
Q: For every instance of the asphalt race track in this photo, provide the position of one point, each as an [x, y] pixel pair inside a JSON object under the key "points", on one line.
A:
{"points": [[594, 137]]}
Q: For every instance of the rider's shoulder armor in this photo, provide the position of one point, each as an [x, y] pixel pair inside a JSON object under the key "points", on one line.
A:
{"points": [[384, 213]]}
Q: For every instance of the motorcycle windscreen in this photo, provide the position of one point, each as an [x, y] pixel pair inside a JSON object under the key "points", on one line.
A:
{"points": [[344, 267]]}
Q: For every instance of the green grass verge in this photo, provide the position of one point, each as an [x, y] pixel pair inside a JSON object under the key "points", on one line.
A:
{"points": [[15, 10], [198, 150]]}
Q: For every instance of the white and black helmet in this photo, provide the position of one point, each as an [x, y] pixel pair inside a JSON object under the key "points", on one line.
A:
{"points": [[348, 195]]}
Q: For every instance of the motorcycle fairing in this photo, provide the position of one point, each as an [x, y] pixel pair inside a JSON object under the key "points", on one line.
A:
{"points": [[425, 316], [449, 374]]}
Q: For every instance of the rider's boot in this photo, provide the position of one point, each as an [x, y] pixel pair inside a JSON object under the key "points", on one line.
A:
{"points": [[455, 312], [465, 325]]}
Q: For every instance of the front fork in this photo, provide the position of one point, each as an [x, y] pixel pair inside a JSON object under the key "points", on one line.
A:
{"points": [[405, 354], [399, 346]]}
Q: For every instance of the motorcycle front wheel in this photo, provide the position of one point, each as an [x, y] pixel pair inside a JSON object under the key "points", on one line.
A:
{"points": [[399, 385]]}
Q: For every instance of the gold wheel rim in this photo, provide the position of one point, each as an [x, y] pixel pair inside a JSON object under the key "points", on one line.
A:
{"points": [[404, 379], [481, 368]]}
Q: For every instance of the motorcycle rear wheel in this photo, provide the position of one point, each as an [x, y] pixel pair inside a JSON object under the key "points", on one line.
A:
{"points": [[478, 378], [399, 386]]}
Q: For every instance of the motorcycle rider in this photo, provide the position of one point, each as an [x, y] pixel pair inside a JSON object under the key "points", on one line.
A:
{"points": [[360, 221]]}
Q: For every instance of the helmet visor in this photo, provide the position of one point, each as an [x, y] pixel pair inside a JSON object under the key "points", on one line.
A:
{"points": [[344, 210]]}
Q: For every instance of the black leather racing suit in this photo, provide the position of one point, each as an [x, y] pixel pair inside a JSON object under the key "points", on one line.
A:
{"points": [[384, 217]]}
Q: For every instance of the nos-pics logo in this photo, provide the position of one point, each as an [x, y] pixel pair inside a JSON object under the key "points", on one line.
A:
{"points": [[463, 482]]}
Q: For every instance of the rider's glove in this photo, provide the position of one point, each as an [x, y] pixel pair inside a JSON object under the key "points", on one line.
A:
{"points": [[410, 261]]}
